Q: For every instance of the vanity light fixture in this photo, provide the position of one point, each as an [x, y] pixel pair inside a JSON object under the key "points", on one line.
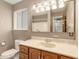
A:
{"points": [[48, 5]]}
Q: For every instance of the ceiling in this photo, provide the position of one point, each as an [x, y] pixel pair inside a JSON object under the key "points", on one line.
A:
{"points": [[12, 1]]}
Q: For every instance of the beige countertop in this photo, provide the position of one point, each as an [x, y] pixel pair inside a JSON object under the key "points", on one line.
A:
{"points": [[59, 48]]}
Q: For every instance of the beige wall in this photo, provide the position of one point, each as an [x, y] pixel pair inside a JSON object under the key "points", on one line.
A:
{"points": [[21, 34], [28, 4], [5, 26]]}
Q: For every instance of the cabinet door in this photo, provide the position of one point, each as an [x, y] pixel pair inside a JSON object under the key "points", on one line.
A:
{"points": [[23, 56], [34, 54], [46, 55]]}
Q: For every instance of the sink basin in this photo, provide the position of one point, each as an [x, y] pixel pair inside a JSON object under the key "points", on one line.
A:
{"points": [[50, 45]]}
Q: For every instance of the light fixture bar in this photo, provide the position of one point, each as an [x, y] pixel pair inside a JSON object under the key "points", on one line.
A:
{"points": [[48, 5]]}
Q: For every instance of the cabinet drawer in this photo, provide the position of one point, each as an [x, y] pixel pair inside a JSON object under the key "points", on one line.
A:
{"points": [[23, 49], [31, 50], [23, 56]]}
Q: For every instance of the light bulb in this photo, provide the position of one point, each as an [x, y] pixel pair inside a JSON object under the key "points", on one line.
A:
{"points": [[34, 7], [46, 3]]}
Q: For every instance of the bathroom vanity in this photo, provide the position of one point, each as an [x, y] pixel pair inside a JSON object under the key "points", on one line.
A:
{"points": [[33, 49]]}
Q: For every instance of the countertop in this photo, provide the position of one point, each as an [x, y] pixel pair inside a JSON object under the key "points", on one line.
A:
{"points": [[65, 49]]}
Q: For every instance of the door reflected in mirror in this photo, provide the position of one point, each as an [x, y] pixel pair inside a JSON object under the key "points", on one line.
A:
{"points": [[58, 24]]}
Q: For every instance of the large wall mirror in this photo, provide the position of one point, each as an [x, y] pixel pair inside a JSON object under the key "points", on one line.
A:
{"points": [[56, 16]]}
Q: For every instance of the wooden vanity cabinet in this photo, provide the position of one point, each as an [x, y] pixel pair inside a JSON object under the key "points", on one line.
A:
{"points": [[31, 53]]}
